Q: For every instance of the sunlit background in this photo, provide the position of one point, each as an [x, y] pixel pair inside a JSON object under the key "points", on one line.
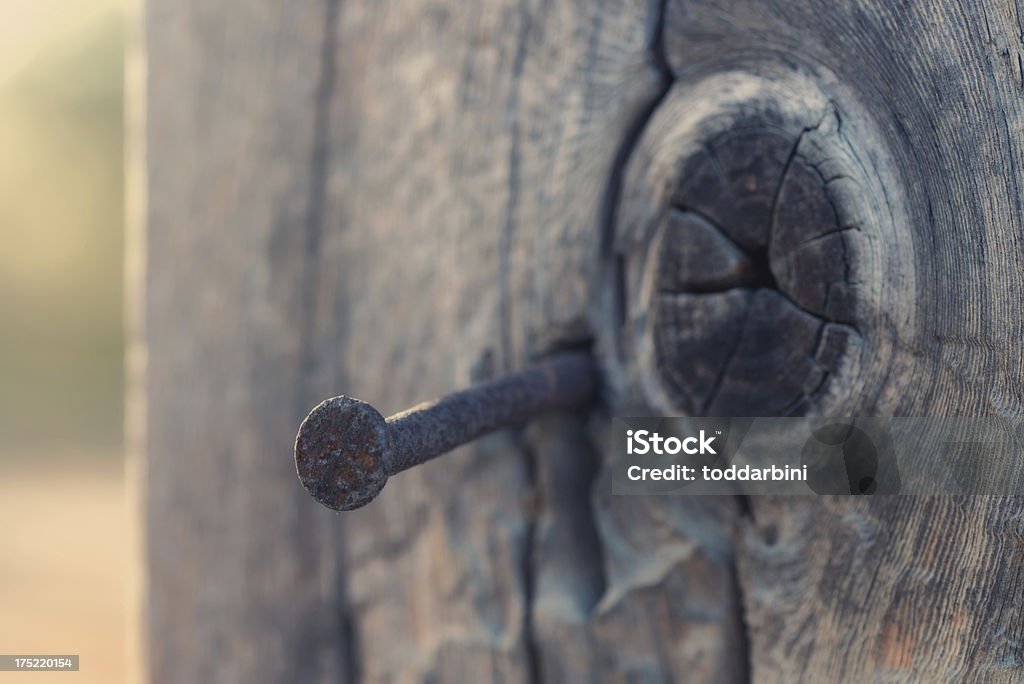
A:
{"points": [[63, 517]]}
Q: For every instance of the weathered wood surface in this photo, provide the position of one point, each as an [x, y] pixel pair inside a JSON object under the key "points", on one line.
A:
{"points": [[244, 579], [392, 199], [909, 589]]}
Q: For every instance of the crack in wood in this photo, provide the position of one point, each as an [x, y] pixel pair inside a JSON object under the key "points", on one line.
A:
{"points": [[347, 637], [756, 198]]}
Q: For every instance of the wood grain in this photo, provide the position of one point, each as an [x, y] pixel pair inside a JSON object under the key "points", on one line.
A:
{"points": [[394, 199], [243, 567], [912, 589], [487, 144], [389, 199]]}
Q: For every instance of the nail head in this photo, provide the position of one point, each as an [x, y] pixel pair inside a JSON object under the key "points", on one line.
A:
{"points": [[340, 453]]}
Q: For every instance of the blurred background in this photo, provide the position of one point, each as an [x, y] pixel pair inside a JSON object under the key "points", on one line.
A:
{"points": [[64, 519]]}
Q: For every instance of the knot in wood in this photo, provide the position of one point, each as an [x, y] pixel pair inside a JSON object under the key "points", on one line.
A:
{"points": [[752, 241]]}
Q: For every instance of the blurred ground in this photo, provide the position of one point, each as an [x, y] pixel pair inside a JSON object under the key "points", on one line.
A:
{"points": [[64, 523], [63, 567]]}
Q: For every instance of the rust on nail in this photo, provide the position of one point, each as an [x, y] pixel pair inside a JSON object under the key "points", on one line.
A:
{"points": [[345, 449]]}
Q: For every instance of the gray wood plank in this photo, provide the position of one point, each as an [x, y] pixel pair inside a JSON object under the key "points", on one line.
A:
{"points": [[473, 194], [908, 589], [394, 199], [244, 580]]}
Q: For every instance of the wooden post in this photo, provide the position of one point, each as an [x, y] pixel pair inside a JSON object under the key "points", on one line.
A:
{"points": [[395, 199]]}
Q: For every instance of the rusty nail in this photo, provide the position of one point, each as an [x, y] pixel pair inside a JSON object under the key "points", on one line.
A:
{"points": [[346, 450]]}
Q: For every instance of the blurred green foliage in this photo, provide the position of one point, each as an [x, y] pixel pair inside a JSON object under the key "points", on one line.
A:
{"points": [[61, 237]]}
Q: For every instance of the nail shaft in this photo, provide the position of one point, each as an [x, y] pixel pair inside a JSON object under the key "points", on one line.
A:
{"points": [[346, 450]]}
